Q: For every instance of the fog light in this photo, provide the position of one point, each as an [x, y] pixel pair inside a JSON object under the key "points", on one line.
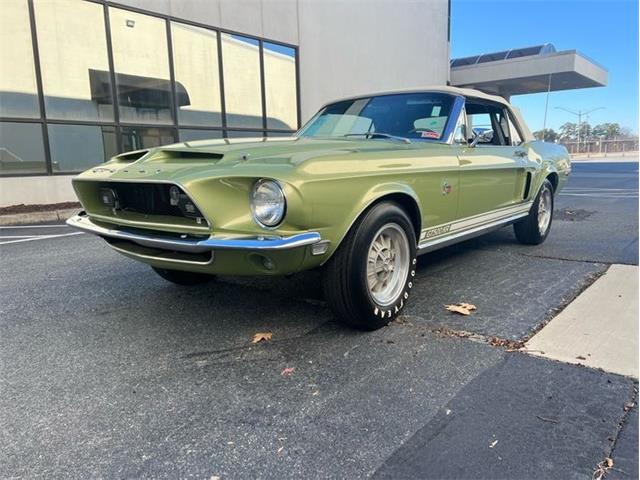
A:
{"points": [[189, 208], [174, 196], [109, 198]]}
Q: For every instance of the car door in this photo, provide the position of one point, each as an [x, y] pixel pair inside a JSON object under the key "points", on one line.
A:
{"points": [[492, 169]]}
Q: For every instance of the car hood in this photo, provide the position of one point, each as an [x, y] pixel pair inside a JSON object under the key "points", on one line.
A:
{"points": [[243, 157], [293, 150]]}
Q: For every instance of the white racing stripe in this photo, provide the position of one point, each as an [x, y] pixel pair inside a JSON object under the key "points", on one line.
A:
{"points": [[40, 237]]}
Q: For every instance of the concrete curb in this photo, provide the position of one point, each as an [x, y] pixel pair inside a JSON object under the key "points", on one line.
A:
{"points": [[30, 218]]}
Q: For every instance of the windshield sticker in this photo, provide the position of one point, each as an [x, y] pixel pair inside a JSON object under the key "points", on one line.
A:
{"points": [[429, 135]]}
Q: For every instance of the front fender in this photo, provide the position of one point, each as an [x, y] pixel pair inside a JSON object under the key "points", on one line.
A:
{"points": [[365, 201]]}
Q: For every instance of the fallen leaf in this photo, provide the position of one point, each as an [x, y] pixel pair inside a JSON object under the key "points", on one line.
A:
{"points": [[511, 345], [280, 449], [287, 371], [493, 444], [262, 337], [457, 309], [602, 468], [316, 393], [468, 306]]}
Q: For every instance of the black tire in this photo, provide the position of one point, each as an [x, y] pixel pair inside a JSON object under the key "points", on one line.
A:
{"points": [[528, 230], [183, 278], [345, 279]]}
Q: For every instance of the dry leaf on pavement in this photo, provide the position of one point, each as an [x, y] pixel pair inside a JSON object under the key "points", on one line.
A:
{"points": [[287, 371], [461, 308], [262, 337]]}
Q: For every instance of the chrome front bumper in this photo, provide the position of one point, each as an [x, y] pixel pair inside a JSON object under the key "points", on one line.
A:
{"points": [[267, 242]]}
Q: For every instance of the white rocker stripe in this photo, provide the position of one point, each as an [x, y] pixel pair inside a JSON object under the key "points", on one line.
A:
{"points": [[470, 223]]}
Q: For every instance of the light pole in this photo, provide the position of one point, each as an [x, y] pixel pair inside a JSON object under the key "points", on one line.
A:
{"points": [[579, 114]]}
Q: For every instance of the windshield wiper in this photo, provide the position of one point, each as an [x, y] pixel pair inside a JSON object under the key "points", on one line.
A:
{"points": [[378, 135]]}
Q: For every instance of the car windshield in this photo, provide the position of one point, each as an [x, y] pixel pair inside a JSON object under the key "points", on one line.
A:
{"points": [[414, 116]]}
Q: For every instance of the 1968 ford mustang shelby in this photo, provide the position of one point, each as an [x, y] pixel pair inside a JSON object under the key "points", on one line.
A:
{"points": [[363, 188]]}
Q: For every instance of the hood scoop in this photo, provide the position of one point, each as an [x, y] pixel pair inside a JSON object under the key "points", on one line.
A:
{"points": [[130, 156], [191, 155]]}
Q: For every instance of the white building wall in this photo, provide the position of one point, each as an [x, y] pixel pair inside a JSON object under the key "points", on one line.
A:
{"points": [[346, 47], [360, 46]]}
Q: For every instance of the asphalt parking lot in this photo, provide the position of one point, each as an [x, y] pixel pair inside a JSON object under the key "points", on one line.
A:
{"points": [[106, 370]]}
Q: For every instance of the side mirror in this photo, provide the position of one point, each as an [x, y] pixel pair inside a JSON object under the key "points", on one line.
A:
{"points": [[484, 137]]}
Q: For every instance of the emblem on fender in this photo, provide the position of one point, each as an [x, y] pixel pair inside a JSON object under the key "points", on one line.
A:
{"points": [[446, 187]]}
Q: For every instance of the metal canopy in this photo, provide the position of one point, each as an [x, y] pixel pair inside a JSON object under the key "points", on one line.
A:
{"points": [[527, 70]]}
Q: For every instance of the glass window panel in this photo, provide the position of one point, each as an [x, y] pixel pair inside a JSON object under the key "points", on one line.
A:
{"points": [[244, 134], [73, 60], [135, 138], [21, 148], [195, 63], [242, 91], [280, 86], [18, 88], [141, 62], [188, 135], [279, 134], [78, 147]]}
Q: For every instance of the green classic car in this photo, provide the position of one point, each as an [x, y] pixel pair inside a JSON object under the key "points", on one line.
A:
{"points": [[364, 187]]}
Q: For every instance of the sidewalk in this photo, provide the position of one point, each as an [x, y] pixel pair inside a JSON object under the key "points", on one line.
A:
{"points": [[599, 329], [29, 218], [629, 157]]}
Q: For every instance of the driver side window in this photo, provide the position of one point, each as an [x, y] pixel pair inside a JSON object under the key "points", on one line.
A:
{"points": [[489, 120]]}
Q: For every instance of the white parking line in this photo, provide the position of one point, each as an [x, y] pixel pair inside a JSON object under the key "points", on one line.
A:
{"points": [[41, 237], [600, 192], [600, 195], [62, 225], [18, 236]]}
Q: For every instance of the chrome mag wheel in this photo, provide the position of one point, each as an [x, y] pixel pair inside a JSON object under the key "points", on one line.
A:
{"points": [[388, 264], [545, 205]]}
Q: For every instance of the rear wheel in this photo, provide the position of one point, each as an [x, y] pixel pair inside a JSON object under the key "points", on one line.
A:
{"points": [[534, 228], [369, 278], [180, 277]]}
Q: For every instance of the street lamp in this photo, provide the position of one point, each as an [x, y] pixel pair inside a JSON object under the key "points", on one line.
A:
{"points": [[579, 114]]}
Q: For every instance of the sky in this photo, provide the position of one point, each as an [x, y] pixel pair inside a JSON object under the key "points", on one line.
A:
{"points": [[605, 31]]}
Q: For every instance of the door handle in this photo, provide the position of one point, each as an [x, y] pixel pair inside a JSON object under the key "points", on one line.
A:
{"points": [[520, 154]]}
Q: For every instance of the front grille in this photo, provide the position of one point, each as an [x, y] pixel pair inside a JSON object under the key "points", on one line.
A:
{"points": [[151, 199]]}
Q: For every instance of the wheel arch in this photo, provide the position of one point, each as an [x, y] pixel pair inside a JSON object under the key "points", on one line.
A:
{"points": [[399, 194], [554, 178]]}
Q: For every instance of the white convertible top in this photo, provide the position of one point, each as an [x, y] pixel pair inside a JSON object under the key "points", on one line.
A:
{"points": [[465, 92]]}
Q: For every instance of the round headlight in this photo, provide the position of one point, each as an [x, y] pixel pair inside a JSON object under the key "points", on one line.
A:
{"points": [[268, 204]]}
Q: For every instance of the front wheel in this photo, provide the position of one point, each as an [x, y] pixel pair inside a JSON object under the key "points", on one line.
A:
{"points": [[534, 228], [180, 277], [369, 278]]}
